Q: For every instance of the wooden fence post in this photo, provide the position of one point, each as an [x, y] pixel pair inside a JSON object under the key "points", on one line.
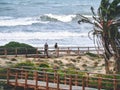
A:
{"points": [[8, 75], [36, 80], [44, 74], [47, 82], [36, 52], [88, 49], [58, 81], [68, 51], [83, 82], [70, 82], [99, 83], [55, 74], [115, 83], [57, 52], [21, 72], [16, 80], [26, 77], [15, 52], [5, 52], [87, 79], [65, 81], [76, 79], [78, 50], [26, 52]]}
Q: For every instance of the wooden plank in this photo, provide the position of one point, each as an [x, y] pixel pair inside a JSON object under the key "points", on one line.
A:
{"points": [[42, 84]]}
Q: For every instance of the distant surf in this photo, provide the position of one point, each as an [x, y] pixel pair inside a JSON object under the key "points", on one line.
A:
{"points": [[38, 21], [40, 35], [12, 21]]}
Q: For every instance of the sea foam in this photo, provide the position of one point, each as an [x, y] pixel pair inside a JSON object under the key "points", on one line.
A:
{"points": [[40, 35], [46, 18], [11, 21], [63, 18]]}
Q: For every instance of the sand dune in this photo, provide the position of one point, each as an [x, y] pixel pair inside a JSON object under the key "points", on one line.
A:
{"points": [[83, 63]]}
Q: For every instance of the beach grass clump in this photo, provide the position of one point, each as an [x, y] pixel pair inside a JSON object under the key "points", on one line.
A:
{"points": [[58, 62], [96, 64], [73, 60], [26, 63], [8, 62], [44, 65], [66, 58], [70, 65], [103, 64], [70, 70], [92, 55], [79, 57], [84, 65], [13, 59], [77, 60], [39, 60]]}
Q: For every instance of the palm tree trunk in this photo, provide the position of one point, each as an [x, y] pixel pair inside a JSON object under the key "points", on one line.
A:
{"points": [[117, 64], [107, 67]]}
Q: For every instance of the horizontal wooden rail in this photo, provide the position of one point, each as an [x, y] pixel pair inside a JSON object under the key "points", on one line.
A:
{"points": [[55, 80], [23, 77], [39, 51]]}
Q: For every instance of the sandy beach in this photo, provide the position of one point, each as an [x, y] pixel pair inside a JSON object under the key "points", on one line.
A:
{"points": [[82, 63]]}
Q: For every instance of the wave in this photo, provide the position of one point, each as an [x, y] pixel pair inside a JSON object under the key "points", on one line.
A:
{"points": [[62, 18], [5, 18], [11, 21], [40, 35], [53, 17]]}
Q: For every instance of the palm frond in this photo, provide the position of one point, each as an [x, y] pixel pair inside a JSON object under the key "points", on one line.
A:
{"points": [[92, 9], [106, 24], [103, 8], [113, 9]]}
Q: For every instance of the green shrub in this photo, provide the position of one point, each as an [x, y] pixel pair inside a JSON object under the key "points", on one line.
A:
{"points": [[3, 72], [15, 45], [92, 54], [27, 63], [22, 48], [44, 65]]}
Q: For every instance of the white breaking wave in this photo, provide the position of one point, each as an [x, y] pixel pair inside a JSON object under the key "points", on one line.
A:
{"points": [[39, 35], [62, 18], [88, 16], [5, 18], [10, 21]]}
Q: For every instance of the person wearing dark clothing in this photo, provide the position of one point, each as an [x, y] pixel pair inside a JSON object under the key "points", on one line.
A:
{"points": [[46, 49], [56, 46], [56, 49]]}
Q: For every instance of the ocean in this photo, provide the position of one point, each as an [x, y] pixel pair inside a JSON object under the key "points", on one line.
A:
{"points": [[36, 22]]}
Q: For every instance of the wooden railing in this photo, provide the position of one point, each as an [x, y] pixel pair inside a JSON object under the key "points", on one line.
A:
{"points": [[43, 78], [39, 51]]}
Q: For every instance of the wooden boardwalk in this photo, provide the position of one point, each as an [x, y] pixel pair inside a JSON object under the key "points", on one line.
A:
{"points": [[39, 51], [42, 85], [43, 80]]}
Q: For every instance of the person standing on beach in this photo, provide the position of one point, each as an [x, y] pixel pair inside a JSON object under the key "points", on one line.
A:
{"points": [[46, 49], [56, 48]]}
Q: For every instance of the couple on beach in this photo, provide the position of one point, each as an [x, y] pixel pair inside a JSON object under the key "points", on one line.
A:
{"points": [[46, 48]]}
